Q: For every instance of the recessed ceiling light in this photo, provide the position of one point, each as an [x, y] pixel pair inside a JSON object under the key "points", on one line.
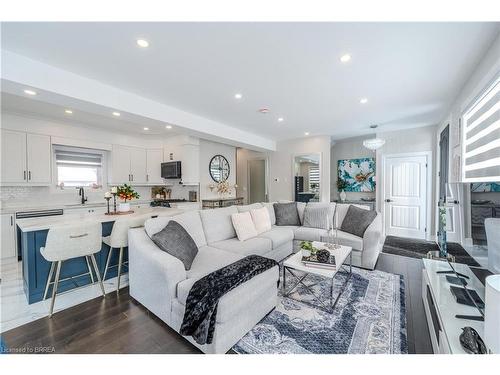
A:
{"points": [[117, 114], [363, 100], [306, 133], [30, 92], [68, 111], [146, 129], [238, 96], [142, 43], [168, 127], [345, 58], [263, 110], [281, 119]]}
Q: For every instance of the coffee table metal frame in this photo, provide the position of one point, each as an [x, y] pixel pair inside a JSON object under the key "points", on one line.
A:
{"points": [[327, 306]]}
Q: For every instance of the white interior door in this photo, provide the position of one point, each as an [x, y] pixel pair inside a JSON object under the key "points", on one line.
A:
{"points": [[405, 201]]}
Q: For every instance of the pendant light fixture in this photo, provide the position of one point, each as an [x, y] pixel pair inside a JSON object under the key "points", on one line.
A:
{"points": [[373, 143]]}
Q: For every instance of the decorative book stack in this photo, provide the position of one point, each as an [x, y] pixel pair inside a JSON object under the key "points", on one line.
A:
{"points": [[322, 259]]}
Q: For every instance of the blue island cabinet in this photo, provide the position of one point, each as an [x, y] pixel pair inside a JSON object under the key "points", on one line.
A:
{"points": [[36, 268]]}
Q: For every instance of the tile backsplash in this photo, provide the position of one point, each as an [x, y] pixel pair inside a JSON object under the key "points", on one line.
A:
{"points": [[45, 196]]}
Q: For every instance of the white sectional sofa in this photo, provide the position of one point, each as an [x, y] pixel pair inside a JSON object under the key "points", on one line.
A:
{"points": [[160, 282]]}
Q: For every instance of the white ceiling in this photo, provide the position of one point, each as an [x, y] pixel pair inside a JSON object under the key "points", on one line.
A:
{"points": [[410, 72]]}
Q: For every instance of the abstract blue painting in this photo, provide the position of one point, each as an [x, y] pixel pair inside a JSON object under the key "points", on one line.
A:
{"points": [[485, 187], [357, 174]]}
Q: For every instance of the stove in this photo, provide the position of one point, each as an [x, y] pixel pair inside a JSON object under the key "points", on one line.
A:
{"points": [[165, 202]]}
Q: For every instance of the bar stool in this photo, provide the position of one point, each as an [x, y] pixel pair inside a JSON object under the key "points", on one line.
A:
{"points": [[69, 242], [118, 239]]}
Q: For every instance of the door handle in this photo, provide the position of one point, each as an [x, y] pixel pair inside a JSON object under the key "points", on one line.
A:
{"points": [[388, 200], [29, 175], [132, 177], [11, 221], [24, 174], [147, 178]]}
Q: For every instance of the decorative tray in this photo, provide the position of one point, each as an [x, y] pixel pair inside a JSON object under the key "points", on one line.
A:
{"points": [[119, 213]]}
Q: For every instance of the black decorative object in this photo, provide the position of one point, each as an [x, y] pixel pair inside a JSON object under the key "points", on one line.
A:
{"points": [[107, 200], [471, 342], [219, 168], [323, 256]]}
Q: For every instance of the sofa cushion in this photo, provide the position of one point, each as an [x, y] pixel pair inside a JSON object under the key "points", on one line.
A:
{"points": [[316, 217], [301, 207], [249, 207], [190, 221], [261, 219], [176, 241], [256, 245], [217, 223], [243, 225], [270, 208], [279, 236], [210, 259], [348, 239], [286, 214], [357, 220], [309, 234], [341, 211]]}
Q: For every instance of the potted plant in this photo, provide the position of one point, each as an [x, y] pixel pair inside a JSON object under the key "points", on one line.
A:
{"points": [[341, 186], [126, 193], [307, 249]]}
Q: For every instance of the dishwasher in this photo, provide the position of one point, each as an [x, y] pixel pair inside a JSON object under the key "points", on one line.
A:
{"points": [[30, 215]]}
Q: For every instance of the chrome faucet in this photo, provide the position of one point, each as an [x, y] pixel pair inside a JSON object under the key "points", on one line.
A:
{"points": [[81, 193]]}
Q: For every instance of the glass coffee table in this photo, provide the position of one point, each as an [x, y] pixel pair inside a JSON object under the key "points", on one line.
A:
{"points": [[300, 272]]}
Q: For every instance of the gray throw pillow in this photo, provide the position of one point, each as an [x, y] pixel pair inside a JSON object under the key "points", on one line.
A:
{"points": [[176, 241], [357, 220], [286, 214], [316, 217]]}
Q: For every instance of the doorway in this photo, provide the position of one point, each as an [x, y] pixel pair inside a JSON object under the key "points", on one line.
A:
{"points": [[257, 180], [406, 195]]}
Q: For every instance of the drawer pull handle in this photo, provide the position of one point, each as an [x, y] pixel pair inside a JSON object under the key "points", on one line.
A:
{"points": [[79, 235]]}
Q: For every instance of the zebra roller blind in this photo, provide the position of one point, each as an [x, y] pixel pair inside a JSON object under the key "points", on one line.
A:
{"points": [[481, 137]]}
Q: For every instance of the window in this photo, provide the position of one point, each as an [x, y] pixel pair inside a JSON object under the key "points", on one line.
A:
{"points": [[481, 137], [314, 178], [77, 167]]}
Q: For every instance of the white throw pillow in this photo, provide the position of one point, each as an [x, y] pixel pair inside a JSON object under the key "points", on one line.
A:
{"points": [[243, 225], [261, 219]]}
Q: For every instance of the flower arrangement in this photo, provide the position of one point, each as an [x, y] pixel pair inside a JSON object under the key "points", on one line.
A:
{"points": [[126, 193], [223, 188]]}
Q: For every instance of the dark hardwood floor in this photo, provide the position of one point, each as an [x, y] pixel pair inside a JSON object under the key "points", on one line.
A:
{"points": [[118, 324]]}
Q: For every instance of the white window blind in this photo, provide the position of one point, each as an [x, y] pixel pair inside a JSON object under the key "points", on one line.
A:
{"points": [[481, 137], [313, 177], [78, 168]]}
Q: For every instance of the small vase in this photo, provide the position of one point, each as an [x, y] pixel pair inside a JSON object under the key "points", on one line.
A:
{"points": [[124, 207], [306, 253], [343, 195]]}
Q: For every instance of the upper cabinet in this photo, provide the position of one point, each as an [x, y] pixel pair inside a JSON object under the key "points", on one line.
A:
{"points": [[185, 149], [134, 165], [154, 158], [26, 159]]}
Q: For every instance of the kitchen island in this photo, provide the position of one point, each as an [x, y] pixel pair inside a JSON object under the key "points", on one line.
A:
{"points": [[33, 234]]}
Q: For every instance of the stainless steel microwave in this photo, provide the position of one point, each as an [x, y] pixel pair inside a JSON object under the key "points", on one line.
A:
{"points": [[171, 169]]}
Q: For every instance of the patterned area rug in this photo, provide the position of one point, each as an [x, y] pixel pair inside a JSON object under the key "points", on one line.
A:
{"points": [[368, 318]]}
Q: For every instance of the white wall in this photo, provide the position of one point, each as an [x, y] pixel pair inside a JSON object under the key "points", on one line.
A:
{"points": [[208, 150], [281, 166], [350, 148]]}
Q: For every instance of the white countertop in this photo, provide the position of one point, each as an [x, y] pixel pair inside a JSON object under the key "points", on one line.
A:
{"points": [[43, 223], [18, 207]]}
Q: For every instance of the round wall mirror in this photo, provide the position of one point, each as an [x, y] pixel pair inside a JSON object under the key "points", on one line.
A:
{"points": [[219, 168]]}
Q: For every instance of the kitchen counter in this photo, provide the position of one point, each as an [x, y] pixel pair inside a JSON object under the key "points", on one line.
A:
{"points": [[44, 223], [32, 236], [35, 206]]}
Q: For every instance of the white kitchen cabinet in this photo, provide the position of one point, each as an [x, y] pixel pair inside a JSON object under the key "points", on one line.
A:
{"points": [[13, 157], [154, 158], [120, 165], [26, 159], [39, 158], [137, 165], [8, 241]]}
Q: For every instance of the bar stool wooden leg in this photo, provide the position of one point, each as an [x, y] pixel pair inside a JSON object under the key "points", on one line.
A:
{"points": [[49, 279], [120, 260], [107, 263], [54, 288], [98, 275], [90, 270]]}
